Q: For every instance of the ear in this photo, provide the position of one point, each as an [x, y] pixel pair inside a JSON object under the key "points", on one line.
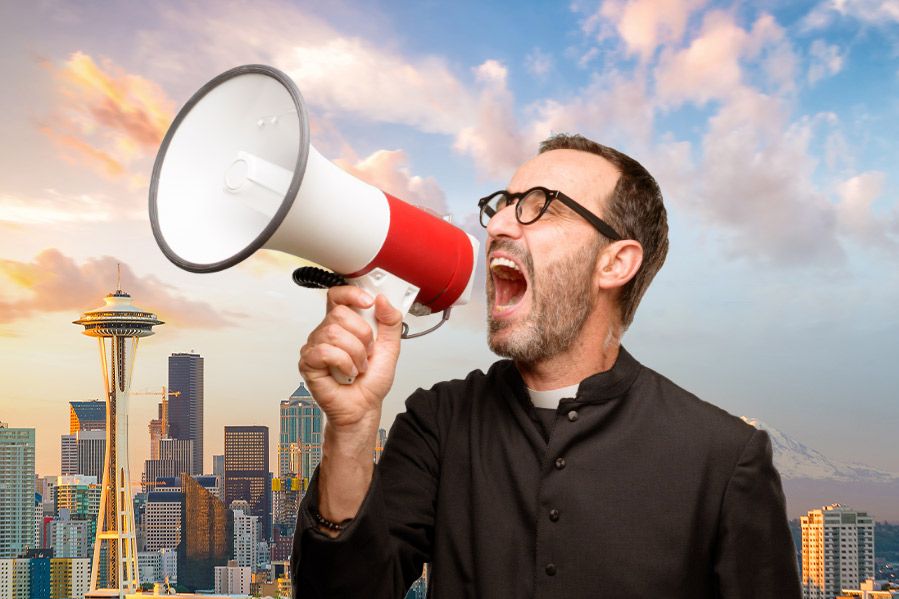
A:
{"points": [[618, 263]]}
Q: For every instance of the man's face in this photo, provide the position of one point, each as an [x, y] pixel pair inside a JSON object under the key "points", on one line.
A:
{"points": [[540, 284]]}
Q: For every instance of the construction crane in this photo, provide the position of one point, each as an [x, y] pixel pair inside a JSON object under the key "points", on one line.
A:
{"points": [[164, 416]]}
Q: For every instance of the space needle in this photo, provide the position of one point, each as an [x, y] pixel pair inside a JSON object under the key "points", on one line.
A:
{"points": [[117, 326]]}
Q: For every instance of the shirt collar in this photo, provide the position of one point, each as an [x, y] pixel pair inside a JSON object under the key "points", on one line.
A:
{"points": [[597, 388]]}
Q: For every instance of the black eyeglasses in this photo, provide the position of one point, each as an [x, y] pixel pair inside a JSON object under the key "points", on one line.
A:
{"points": [[531, 204]]}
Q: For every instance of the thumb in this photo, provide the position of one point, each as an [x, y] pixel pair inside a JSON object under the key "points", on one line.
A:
{"points": [[390, 323]]}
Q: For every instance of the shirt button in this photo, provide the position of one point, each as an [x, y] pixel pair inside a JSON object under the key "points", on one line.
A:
{"points": [[560, 463], [550, 569], [572, 415], [554, 515]]}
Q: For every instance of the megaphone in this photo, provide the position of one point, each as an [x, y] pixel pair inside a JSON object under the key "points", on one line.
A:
{"points": [[236, 173]]}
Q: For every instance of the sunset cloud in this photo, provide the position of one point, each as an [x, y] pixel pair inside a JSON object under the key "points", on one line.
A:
{"points": [[54, 282], [52, 206], [107, 118]]}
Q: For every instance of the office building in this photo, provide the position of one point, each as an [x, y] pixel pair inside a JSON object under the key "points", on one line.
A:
{"points": [[78, 494], [83, 452], [205, 536], [175, 456], [232, 579], [246, 472], [70, 538], [69, 577], [246, 535], [87, 416], [185, 411], [158, 566], [300, 435], [161, 520], [871, 589], [17, 525], [68, 455], [837, 551], [218, 465]]}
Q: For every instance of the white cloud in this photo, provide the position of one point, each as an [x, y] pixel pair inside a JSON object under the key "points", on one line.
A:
{"points": [[494, 141], [55, 207], [644, 25], [872, 12], [388, 170], [824, 60], [538, 63], [855, 213]]}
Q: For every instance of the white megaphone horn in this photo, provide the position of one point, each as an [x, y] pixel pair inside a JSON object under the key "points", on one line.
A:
{"points": [[236, 173]]}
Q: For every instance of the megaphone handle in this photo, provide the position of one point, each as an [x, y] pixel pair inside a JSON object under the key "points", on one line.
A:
{"points": [[401, 294]]}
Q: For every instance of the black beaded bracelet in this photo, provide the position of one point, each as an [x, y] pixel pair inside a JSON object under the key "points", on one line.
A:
{"points": [[322, 521]]}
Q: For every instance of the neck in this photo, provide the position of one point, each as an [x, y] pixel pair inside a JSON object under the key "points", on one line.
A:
{"points": [[584, 358]]}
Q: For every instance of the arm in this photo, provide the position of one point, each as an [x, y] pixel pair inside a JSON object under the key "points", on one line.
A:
{"points": [[381, 552], [755, 554], [364, 560]]}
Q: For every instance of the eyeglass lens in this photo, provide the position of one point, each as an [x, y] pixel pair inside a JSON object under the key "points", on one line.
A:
{"points": [[527, 210]]}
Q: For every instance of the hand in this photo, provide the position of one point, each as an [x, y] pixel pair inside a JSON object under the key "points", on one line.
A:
{"points": [[345, 341]]}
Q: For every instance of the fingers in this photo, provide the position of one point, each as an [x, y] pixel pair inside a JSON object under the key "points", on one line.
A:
{"points": [[319, 359], [348, 295]]}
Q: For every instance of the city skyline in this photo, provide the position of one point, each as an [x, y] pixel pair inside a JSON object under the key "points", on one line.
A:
{"points": [[770, 128]]}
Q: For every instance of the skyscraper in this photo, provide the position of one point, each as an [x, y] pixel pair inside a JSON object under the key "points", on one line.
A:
{"points": [[162, 520], [837, 551], [16, 490], [90, 450], [300, 435], [205, 536], [87, 416], [175, 456], [185, 411], [246, 471], [87, 422]]}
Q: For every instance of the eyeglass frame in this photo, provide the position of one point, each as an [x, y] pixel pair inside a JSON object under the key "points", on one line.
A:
{"points": [[551, 194]]}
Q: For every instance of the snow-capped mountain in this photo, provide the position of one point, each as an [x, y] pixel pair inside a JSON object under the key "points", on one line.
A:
{"points": [[794, 461]]}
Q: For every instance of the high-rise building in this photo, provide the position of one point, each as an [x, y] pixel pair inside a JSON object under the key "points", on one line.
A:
{"points": [[205, 535], [300, 436], [68, 537], [837, 550], [185, 411], [69, 577], [159, 426], [83, 452], [87, 416], [162, 520], [247, 475], [68, 454], [246, 535], [14, 578], [380, 442], [157, 566], [232, 579], [175, 456], [16, 490], [218, 465]]}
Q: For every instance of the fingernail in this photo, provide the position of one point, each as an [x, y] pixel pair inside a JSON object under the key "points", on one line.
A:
{"points": [[365, 365], [367, 297], [354, 373]]}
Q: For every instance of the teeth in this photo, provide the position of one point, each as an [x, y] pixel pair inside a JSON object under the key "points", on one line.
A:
{"points": [[503, 262]]}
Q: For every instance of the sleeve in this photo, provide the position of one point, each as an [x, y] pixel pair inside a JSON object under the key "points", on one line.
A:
{"points": [[756, 556], [382, 551]]}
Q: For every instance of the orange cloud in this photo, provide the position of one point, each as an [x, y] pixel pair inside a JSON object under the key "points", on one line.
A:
{"points": [[54, 282], [107, 117]]}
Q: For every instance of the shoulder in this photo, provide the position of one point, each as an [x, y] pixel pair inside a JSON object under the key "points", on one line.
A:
{"points": [[691, 421]]}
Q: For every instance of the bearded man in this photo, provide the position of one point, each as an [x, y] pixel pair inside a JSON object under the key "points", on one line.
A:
{"points": [[567, 470]]}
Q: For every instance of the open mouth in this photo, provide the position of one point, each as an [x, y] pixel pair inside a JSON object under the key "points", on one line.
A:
{"points": [[509, 284]]}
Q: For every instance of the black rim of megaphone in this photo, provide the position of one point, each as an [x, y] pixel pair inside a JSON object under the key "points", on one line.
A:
{"points": [[286, 203]]}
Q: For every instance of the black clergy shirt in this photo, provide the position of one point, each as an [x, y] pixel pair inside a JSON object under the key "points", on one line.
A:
{"points": [[639, 489]]}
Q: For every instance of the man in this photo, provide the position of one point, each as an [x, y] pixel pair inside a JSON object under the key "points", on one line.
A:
{"points": [[569, 470]]}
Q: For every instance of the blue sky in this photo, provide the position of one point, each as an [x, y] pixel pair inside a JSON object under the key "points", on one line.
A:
{"points": [[771, 128]]}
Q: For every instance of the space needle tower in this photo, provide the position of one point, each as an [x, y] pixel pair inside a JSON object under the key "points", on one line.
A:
{"points": [[117, 326]]}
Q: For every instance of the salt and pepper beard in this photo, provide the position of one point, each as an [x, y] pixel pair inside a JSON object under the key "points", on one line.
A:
{"points": [[560, 305]]}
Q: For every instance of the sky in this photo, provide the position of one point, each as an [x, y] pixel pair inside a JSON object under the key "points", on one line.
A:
{"points": [[771, 128]]}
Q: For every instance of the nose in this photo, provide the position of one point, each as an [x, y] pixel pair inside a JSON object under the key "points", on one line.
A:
{"points": [[504, 224]]}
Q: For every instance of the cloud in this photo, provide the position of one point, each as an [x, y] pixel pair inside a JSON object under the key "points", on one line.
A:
{"points": [[644, 25], [388, 170], [494, 141], [54, 207], [711, 66], [873, 12], [756, 184], [53, 282], [107, 118], [538, 63], [856, 215], [825, 60]]}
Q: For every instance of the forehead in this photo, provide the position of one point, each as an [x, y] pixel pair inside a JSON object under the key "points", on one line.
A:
{"points": [[585, 177]]}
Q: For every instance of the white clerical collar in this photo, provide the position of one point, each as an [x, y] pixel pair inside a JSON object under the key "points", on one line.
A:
{"points": [[550, 399]]}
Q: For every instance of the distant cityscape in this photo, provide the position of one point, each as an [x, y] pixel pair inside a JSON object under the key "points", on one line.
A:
{"points": [[230, 531]]}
